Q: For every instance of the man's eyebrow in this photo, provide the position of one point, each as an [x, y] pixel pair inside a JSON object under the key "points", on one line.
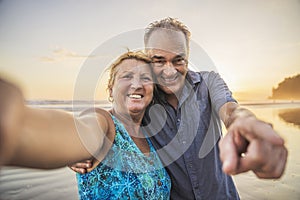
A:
{"points": [[180, 55], [157, 57]]}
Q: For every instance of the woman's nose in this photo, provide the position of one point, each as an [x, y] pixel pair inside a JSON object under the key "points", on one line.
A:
{"points": [[136, 83]]}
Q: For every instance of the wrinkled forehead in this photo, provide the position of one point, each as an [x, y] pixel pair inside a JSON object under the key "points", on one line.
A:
{"points": [[166, 40], [133, 65]]}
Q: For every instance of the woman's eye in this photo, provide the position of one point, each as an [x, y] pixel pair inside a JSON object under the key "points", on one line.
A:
{"points": [[127, 76], [147, 78]]}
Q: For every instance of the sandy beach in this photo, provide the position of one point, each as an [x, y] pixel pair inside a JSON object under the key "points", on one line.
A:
{"points": [[23, 184], [288, 186]]}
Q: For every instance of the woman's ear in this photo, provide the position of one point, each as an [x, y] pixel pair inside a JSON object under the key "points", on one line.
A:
{"points": [[110, 97]]}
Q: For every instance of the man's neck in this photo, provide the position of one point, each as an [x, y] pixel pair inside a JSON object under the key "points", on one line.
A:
{"points": [[173, 100]]}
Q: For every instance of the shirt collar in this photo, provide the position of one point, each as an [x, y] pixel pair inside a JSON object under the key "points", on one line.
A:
{"points": [[193, 77]]}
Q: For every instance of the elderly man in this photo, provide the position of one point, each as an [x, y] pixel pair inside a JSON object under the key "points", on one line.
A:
{"points": [[187, 131]]}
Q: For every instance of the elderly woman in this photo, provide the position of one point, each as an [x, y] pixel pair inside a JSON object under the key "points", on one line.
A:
{"points": [[127, 165]]}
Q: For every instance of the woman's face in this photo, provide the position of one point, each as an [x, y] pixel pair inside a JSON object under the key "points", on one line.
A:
{"points": [[132, 90]]}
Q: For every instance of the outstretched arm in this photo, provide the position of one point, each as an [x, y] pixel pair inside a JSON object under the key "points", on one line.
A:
{"points": [[250, 144], [47, 138]]}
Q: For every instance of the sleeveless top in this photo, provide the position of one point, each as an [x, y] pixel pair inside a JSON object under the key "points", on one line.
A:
{"points": [[126, 173]]}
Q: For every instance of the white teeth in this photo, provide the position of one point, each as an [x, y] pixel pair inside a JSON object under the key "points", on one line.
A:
{"points": [[169, 79], [135, 96]]}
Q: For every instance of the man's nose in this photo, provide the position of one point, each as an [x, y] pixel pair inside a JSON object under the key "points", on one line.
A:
{"points": [[169, 70]]}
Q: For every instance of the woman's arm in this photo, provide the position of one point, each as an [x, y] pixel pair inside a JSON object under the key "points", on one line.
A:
{"points": [[52, 138], [48, 138]]}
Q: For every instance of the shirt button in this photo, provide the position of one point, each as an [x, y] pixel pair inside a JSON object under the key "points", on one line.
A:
{"points": [[183, 142], [178, 120]]}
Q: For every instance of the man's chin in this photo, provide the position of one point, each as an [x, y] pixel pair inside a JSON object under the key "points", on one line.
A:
{"points": [[169, 90]]}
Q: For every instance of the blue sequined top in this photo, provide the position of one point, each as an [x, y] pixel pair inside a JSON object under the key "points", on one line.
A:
{"points": [[126, 173]]}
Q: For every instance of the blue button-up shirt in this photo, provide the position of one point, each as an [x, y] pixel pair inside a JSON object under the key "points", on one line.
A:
{"points": [[187, 138]]}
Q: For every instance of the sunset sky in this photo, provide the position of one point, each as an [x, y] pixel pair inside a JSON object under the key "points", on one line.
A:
{"points": [[254, 44]]}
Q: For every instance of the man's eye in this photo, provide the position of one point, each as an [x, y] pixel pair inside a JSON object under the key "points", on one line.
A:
{"points": [[179, 61], [159, 61]]}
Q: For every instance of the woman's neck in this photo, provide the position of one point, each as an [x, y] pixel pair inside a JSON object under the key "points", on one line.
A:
{"points": [[132, 123]]}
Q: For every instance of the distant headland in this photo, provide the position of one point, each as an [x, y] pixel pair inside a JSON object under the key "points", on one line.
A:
{"points": [[288, 89]]}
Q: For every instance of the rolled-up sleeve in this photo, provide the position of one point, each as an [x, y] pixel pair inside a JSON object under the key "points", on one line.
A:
{"points": [[218, 90]]}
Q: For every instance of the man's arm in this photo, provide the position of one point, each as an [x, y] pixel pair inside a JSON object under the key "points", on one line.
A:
{"points": [[250, 144]]}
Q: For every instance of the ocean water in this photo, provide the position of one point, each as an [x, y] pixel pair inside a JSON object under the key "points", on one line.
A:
{"points": [[288, 187], [23, 183]]}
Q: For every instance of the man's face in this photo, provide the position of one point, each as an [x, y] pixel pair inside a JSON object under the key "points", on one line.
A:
{"points": [[169, 53]]}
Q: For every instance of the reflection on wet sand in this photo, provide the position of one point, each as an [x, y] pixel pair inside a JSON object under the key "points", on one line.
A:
{"points": [[291, 116]]}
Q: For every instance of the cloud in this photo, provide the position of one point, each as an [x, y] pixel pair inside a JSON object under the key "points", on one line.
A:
{"points": [[47, 59], [61, 54]]}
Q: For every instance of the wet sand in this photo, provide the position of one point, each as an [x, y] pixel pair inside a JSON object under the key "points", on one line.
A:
{"points": [[288, 186], [23, 184], [291, 116]]}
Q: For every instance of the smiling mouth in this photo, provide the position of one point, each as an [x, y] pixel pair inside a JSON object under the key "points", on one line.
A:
{"points": [[169, 79], [135, 96]]}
